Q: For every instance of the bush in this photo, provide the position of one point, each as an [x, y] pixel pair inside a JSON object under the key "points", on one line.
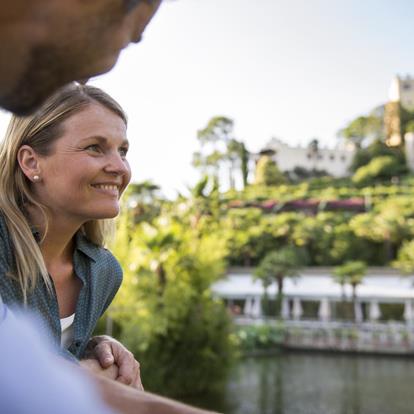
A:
{"points": [[186, 353], [379, 168], [260, 337], [166, 312]]}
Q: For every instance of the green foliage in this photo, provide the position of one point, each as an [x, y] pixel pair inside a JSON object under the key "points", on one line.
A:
{"points": [[299, 174], [279, 264], [380, 168], [407, 120], [267, 172], [351, 272], [276, 265], [376, 149], [364, 128], [166, 311], [410, 126], [405, 259], [260, 337], [244, 158], [220, 148]]}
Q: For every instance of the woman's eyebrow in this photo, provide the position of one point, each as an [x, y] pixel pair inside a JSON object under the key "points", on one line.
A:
{"points": [[102, 139]]}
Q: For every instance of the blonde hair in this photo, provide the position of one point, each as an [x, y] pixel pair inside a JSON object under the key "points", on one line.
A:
{"points": [[40, 131]]}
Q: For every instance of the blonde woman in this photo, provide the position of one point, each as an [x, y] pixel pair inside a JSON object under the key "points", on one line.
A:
{"points": [[64, 169]]}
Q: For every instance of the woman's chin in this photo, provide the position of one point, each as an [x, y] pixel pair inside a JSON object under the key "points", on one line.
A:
{"points": [[107, 213]]}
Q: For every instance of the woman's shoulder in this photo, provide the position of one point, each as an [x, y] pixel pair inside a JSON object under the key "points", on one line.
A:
{"points": [[3, 225], [5, 242], [7, 253]]}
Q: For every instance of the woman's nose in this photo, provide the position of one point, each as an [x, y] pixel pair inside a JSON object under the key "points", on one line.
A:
{"points": [[116, 164]]}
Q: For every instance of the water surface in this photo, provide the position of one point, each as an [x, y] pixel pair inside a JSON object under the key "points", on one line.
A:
{"points": [[310, 383]]}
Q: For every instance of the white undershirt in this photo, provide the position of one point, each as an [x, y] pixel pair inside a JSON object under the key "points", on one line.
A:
{"points": [[66, 325]]}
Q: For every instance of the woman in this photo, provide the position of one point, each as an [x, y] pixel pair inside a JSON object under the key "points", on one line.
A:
{"points": [[63, 171]]}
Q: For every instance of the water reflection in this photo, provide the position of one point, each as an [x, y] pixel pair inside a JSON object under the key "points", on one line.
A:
{"points": [[307, 383]]}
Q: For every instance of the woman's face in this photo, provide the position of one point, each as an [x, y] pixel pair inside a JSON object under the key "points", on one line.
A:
{"points": [[87, 171]]}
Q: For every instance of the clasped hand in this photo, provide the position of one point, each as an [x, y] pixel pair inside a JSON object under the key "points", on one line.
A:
{"points": [[107, 356]]}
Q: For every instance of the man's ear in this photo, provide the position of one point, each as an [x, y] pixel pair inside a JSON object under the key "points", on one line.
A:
{"points": [[28, 161]]}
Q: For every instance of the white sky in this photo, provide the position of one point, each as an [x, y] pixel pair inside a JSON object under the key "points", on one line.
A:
{"points": [[295, 69]]}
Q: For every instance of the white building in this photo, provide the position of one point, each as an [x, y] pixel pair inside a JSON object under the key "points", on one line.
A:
{"points": [[402, 91], [381, 286], [335, 161]]}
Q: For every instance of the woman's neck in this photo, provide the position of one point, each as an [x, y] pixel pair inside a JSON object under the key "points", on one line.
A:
{"points": [[57, 238]]}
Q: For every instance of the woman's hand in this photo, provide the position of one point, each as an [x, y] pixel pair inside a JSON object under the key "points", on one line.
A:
{"points": [[94, 367], [108, 351]]}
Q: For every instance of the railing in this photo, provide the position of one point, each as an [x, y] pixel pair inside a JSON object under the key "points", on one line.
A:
{"points": [[365, 337]]}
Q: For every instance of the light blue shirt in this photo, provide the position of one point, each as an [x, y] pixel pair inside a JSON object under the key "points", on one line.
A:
{"points": [[35, 381]]}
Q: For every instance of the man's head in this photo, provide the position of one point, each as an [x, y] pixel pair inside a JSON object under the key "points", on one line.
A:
{"points": [[45, 44]]}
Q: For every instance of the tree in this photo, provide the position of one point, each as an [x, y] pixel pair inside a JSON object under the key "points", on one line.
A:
{"points": [[313, 152], [388, 224], [376, 149], [351, 273], [166, 312], [144, 199], [238, 156], [363, 128], [410, 126], [218, 147], [405, 258], [267, 172], [380, 168], [244, 157], [214, 139], [278, 265]]}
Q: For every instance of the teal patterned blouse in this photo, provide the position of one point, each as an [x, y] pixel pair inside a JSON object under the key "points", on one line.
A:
{"points": [[101, 276]]}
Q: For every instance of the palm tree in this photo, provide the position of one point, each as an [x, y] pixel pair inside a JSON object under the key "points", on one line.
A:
{"points": [[278, 265], [353, 273]]}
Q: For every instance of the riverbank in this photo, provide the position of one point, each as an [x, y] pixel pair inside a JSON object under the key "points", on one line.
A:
{"points": [[261, 337]]}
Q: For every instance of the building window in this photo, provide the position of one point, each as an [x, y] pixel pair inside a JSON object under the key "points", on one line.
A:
{"points": [[332, 157], [343, 158]]}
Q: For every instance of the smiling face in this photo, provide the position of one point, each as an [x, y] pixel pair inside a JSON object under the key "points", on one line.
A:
{"points": [[86, 171], [48, 43]]}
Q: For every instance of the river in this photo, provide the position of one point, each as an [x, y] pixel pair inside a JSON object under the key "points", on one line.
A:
{"points": [[311, 383]]}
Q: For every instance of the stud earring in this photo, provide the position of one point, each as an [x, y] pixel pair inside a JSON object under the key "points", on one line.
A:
{"points": [[36, 178]]}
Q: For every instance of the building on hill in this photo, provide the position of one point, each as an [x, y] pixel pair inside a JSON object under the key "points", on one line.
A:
{"points": [[402, 91], [400, 98], [335, 161]]}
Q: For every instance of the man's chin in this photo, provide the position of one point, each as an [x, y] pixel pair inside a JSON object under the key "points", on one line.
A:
{"points": [[25, 105], [18, 109]]}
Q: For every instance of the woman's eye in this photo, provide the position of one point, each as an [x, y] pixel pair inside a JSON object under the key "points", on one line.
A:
{"points": [[93, 147], [123, 151]]}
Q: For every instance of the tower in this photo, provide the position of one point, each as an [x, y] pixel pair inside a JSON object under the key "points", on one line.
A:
{"points": [[401, 98]]}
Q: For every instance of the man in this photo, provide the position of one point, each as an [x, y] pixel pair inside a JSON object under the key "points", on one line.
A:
{"points": [[48, 43], [34, 381], [21, 349], [45, 44]]}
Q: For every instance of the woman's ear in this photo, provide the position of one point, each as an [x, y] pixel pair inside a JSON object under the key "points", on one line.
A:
{"points": [[28, 161]]}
